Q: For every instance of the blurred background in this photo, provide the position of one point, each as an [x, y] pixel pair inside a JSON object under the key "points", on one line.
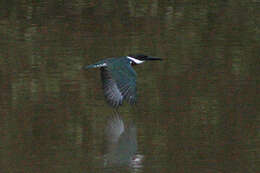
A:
{"points": [[197, 111]]}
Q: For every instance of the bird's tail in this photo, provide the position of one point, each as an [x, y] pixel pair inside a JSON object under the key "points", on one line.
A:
{"points": [[96, 65], [89, 66]]}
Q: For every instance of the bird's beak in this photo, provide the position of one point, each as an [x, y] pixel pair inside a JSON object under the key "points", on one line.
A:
{"points": [[149, 58]]}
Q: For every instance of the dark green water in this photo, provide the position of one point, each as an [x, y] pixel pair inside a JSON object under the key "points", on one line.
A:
{"points": [[197, 111]]}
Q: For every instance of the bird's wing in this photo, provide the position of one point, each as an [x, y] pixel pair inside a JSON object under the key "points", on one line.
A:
{"points": [[111, 90], [119, 82], [125, 78]]}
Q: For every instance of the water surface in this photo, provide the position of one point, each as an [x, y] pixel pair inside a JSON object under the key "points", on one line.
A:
{"points": [[196, 112]]}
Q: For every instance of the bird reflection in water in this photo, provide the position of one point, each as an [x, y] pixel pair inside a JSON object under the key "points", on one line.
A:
{"points": [[121, 143]]}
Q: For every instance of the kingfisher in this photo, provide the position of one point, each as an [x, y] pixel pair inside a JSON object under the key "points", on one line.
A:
{"points": [[119, 78]]}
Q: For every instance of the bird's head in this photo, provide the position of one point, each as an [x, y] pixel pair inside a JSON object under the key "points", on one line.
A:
{"points": [[140, 58]]}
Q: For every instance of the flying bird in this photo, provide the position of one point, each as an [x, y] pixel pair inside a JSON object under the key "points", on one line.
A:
{"points": [[119, 78]]}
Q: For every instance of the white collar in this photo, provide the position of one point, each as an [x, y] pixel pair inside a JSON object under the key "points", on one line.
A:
{"points": [[137, 61]]}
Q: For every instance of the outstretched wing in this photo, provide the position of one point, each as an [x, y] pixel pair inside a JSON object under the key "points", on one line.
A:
{"points": [[111, 90], [119, 83], [125, 78]]}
